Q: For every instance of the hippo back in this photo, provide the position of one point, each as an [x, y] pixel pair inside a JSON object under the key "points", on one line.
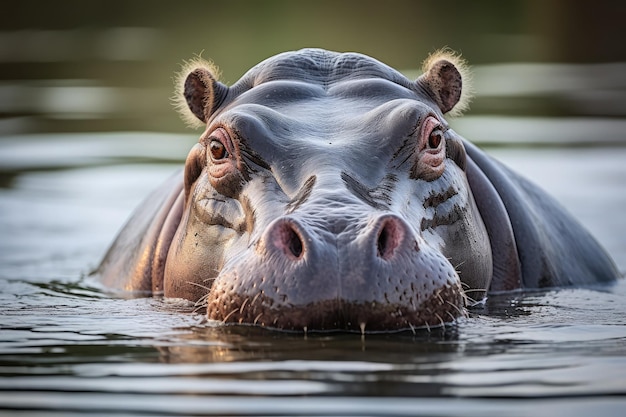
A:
{"points": [[553, 248]]}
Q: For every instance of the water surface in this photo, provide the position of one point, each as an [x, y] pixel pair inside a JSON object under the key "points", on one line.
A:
{"points": [[551, 103], [67, 347]]}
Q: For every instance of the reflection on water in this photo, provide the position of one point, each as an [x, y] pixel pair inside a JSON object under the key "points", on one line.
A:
{"points": [[78, 350], [551, 101], [67, 347]]}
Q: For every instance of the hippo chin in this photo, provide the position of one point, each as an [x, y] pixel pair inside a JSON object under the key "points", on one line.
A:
{"points": [[328, 192]]}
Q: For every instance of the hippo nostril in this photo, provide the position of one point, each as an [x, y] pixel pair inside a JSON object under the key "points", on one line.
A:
{"points": [[293, 243], [390, 237], [383, 242], [285, 237]]}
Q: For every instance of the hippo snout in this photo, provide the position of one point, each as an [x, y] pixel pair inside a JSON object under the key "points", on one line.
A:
{"points": [[372, 276], [288, 238]]}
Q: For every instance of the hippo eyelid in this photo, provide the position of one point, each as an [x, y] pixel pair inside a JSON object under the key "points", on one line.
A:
{"points": [[221, 136], [430, 161], [427, 127], [417, 128]]}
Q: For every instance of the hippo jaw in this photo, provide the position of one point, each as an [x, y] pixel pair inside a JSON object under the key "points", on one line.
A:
{"points": [[313, 205], [437, 309]]}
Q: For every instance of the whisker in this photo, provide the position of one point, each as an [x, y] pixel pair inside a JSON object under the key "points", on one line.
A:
{"points": [[470, 301], [197, 309], [202, 302], [256, 319], [476, 290], [255, 298], [243, 305], [457, 267], [199, 285], [438, 294], [202, 299], [228, 315], [443, 323], [461, 312]]}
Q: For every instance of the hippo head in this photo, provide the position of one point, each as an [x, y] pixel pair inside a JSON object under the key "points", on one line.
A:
{"points": [[328, 192]]}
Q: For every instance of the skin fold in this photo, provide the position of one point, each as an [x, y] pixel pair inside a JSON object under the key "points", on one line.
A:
{"points": [[327, 192]]}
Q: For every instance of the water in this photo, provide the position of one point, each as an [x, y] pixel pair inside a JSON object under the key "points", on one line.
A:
{"points": [[553, 107], [68, 348]]}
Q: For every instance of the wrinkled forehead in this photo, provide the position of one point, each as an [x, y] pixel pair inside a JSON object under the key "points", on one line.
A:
{"points": [[355, 109], [320, 94], [299, 129]]}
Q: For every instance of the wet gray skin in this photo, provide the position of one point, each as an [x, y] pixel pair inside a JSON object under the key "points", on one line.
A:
{"points": [[328, 192]]}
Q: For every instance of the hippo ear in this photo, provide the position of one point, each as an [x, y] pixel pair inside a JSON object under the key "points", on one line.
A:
{"points": [[446, 78], [198, 92]]}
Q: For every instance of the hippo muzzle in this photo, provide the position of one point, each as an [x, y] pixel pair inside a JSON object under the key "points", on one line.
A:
{"points": [[317, 270], [328, 192]]}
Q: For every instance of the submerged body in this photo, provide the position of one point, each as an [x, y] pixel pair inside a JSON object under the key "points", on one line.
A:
{"points": [[328, 193]]}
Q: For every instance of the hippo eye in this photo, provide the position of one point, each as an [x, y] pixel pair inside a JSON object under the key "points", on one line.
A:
{"points": [[435, 138], [218, 150], [431, 155]]}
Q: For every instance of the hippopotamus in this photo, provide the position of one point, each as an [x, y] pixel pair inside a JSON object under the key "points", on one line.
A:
{"points": [[328, 192]]}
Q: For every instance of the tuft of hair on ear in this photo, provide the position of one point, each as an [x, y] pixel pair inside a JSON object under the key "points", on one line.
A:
{"points": [[178, 99], [467, 91]]}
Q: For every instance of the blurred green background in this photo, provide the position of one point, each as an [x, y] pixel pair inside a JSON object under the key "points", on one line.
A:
{"points": [[92, 66]]}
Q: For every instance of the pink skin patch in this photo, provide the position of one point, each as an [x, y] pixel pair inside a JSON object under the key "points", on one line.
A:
{"points": [[284, 237], [390, 237], [430, 163], [222, 167]]}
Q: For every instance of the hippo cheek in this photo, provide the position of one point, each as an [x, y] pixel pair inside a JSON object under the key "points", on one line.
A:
{"points": [[195, 258], [467, 247], [382, 278]]}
